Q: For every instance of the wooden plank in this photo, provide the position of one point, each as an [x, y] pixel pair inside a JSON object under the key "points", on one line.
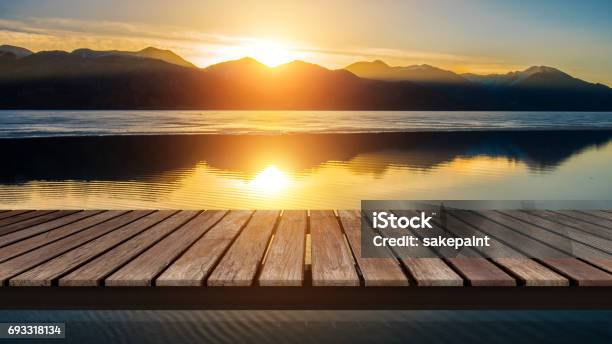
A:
{"points": [[10, 238], [10, 213], [600, 214], [40, 255], [23, 216], [533, 227], [428, 269], [597, 217], [194, 266], [502, 228], [33, 242], [476, 269], [129, 225], [567, 220], [41, 218], [142, 270], [375, 271], [94, 272], [239, 265], [332, 264], [543, 219], [284, 265], [530, 272]]}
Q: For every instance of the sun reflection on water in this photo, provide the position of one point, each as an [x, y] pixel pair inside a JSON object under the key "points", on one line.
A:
{"points": [[270, 180], [333, 184]]}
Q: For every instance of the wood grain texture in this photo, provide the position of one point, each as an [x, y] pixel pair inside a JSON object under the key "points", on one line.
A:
{"points": [[45, 227], [239, 265], [94, 272], [477, 270], [142, 270], [332, 263], [35, 257], [128, 225], [23, 216], [542, 219], [597, 217], [532, 226], [284, 265], [375, 271], [571, 220], [42, 239], [526, 270], [508, 230], [424, 265], [194, 266], [11, 213], [187, 248], [600, 215], [41, 218]]}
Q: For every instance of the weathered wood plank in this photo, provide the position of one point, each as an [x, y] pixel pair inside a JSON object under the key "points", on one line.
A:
{"points": [[239, 265], [11, 213], [508, 230], [94, 272], [332, 264], [600, 214], [570, 221], [142, 270], [128, 225], [532, 226], [10, 238], [375, 271], [560, 231], [468, 262], [39, 240], [432, 272], [428, 269], [477, 270], [40, 255], [23, 216], [194, 266], [530, 272], [41, 218], [597, 217], [284, 265]]}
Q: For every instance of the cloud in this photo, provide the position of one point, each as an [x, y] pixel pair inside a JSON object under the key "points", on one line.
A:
{"points": [[203, 48]]}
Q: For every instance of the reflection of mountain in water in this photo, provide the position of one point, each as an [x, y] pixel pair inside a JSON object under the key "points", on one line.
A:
{"points": [[116, 158]]}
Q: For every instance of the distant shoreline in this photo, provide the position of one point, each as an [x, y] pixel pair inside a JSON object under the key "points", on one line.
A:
{"points": [[294, 135]]}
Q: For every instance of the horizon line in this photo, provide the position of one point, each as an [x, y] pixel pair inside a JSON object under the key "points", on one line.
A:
{"points": [[293, 61]]}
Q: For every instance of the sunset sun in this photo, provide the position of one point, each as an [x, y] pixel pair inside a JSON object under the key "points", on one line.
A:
{"points": [[270, 53]]}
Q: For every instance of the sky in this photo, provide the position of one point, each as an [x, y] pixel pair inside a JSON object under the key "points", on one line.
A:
{"points": [[464, 36]]}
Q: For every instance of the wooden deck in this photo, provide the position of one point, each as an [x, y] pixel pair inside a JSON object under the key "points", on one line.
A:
{"points": [[297, 252]]}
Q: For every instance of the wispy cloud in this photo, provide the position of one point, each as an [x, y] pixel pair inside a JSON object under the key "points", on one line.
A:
{"points": [[205, 48]]}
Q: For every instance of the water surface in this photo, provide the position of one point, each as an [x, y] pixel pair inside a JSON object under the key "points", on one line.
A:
{"points": [[303, 171], [19, 123]]}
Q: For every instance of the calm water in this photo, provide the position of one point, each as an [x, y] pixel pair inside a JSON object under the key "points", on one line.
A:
{"points": [[303, 171], [79, 123], [362, 326]]}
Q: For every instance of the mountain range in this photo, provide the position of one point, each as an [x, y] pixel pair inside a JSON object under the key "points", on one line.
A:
{"points": [[160, 79]]}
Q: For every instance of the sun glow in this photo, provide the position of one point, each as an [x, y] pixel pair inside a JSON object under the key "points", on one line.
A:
{"points": [[270, 180], [270, 53]]}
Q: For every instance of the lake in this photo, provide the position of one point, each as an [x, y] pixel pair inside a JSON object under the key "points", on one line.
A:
{"points": [[234, 159], [18, 123]]}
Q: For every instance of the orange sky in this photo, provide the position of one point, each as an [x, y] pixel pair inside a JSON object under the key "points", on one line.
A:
{"points": [[464, 36]]}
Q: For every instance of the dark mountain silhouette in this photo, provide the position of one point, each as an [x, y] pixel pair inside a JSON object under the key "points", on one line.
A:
{"points": [[17, 51], [424, 73], [159, 79], [134, 157], [150, 52]]}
